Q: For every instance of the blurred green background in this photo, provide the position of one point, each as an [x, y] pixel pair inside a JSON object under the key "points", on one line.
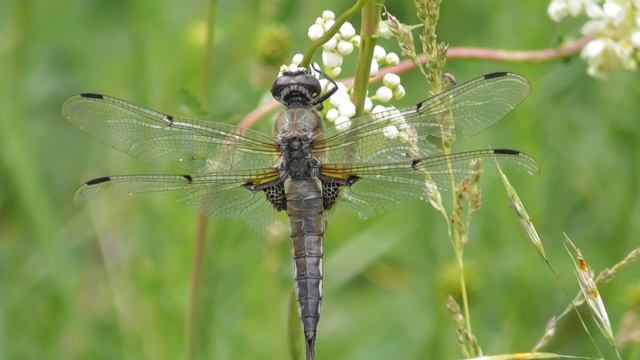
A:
{"points": [[110, 279]]}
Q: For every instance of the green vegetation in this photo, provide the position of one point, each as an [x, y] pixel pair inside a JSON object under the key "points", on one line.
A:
{"points": [[110, 279]]}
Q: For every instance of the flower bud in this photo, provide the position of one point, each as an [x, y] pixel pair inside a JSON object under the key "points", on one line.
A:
{"points": [[391, 80], [392, 59], [315, 32], [343, 123], [399, 92], [347, 31], [344, 47], [347, 109], [331, 59], [328, 15], [379, 53], [374, 68], [384, 94], [332, 114]]}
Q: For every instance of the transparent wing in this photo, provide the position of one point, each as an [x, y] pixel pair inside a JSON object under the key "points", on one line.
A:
{"points": [[388, 184], [153, 136], [220, 195], [413, 132]]}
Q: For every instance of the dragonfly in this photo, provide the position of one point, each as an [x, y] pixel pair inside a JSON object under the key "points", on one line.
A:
{"points": [[305, 169]]}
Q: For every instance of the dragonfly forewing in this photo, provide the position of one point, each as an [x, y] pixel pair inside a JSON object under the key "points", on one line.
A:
{"points": [[415, 131], [154, 136]]}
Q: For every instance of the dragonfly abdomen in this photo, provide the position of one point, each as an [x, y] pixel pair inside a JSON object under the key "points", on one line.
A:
{"points": [[306, 223]]}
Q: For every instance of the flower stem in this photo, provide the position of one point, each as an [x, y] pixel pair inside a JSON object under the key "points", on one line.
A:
{"points": [[197, 273], [368, 28]]}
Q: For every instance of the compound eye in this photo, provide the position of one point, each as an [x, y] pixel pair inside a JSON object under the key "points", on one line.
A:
{"points": [[280, 83], [310, 83]]}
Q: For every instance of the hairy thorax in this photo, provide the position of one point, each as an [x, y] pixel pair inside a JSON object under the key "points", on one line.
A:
{"points": [[296, 131]]}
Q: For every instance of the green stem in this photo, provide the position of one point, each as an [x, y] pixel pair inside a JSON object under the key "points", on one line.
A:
{"points": [[293, 328], [368, 28], [200, 249], [208, 50], [195, 295], [306, 60]]}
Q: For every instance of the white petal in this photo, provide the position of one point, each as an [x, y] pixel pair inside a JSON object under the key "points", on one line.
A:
{"points": [[378, 108], [575, 6], [297, 59], [635, 39], [344, 47], [335, 71], [330, 45], [328, 24], [379, 53], [323, 84], [557, 10], [594, 27], [368, 104], [342, 123], [383, 30], [332, 114], [392, 59], [331, 59], [593, 49], [399, 92], [374, 68], [328, 15], [594, 10], [347, 31], [347, 109], [384, 94], [615, 12], [315, 32], [391, 80], [340, 96]]}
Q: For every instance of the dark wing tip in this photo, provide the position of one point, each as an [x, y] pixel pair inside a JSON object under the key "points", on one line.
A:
{"points": [[91, 96], [507, 151], [97, 181], [494, 75], [524, 161]]}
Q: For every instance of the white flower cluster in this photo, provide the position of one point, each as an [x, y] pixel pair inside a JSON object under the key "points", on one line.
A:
{"points": [[340, 109], [615, 25]]}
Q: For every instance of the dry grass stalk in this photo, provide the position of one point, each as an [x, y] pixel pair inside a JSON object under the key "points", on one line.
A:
{"points": [[590, 292], [523, 215], [468, 342]]}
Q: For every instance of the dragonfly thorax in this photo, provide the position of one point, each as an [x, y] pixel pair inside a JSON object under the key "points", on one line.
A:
{"points": [[298, 160]]}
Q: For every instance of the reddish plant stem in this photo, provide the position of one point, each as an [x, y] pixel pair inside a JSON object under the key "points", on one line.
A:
{"points": [[515, 56]]}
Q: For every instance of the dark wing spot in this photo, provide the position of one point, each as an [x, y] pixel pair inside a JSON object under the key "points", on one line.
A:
{"points": [[419, 106], [92, 96], [251, 186], [506, 151], [415, 163], [98, 180], [352, 179], [495, 75], [169, 119], [188, 178]]}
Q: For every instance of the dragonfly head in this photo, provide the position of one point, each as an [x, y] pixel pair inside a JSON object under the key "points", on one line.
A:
{"points": [[296, 88]]}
